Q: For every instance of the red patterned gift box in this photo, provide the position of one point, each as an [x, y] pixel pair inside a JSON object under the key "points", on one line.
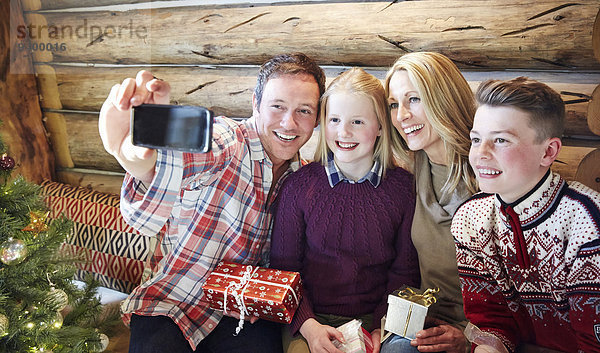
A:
{"points": [[264, 292]]}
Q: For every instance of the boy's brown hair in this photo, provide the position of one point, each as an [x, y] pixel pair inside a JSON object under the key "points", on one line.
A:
{"points": [[544, 105]]}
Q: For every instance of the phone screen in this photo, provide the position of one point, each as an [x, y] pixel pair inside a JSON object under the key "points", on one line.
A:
{"points": [[176, 127]]}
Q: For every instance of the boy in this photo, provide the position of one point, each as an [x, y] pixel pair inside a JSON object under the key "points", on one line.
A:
{"points": [[528, 245]]}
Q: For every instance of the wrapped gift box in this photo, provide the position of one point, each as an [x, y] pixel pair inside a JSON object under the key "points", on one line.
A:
{"points": [[256, 291], [358, 340], [407, 309]]}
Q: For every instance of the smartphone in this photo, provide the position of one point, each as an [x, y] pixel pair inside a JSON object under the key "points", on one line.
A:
{"points": [[175, 127]]}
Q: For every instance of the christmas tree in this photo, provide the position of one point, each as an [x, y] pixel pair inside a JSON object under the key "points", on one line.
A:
{"points": [[41, 310]]}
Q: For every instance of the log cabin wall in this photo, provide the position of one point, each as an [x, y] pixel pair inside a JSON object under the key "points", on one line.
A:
{"points": [[210, 53], [21, 118]]}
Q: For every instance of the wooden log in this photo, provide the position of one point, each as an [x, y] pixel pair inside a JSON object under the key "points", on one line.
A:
{"points": [[66, 4], [69, 4], [569, 159], [92, 179], [41, 38], [596, 37], [497, 34], [228, 90], [22, 129], [85, 145], [593, 112], [588, 171], [57, 133], [31, 5], [54, 122], [49, 95]]}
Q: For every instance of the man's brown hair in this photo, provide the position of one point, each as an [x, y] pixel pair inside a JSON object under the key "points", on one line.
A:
{"points": [[288, 64]]}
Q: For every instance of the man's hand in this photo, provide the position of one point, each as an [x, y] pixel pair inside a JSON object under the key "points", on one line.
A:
{"points": [[236, 315], [319, 337], [113, 124], [441, 338], [376, 340]]}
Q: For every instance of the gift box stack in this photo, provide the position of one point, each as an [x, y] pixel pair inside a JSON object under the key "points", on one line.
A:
{"points": [[267, 293], [358, 340], [407, 309]]}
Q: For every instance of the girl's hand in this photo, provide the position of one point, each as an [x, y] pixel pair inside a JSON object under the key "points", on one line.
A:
{"points": [[319, 337], [485, 349], [376, 340]]}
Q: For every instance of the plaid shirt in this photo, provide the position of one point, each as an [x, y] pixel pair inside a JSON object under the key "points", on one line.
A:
{"points": [[207, 208], [335, 175]]}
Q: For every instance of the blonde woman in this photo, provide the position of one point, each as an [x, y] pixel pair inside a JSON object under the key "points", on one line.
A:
{"points": [[344, 220], [432, 108]]}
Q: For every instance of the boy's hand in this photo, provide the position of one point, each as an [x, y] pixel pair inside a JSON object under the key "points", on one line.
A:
{"points": [[113, 123], [319, 337], [440, 338]]}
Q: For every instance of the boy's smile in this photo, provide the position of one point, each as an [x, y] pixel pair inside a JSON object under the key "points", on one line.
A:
{"points": [[505, 154]]}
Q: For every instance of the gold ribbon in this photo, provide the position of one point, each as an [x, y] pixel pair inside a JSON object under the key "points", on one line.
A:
{"points": [[425, 299]]}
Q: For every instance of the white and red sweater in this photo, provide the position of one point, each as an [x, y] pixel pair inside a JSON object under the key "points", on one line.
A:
{"points": [[533, 277]]}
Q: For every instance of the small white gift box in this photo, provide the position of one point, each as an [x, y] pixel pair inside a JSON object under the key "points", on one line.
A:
{"points": [[358, 340], [407, 309]]}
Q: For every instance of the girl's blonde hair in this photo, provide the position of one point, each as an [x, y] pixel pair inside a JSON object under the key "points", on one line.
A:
{"points": [[357, 81], [450, 106]]}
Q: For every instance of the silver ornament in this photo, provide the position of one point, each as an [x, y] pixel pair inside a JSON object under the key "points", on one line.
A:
{"points": [[13, 251], [59, 298], [57, 322]]}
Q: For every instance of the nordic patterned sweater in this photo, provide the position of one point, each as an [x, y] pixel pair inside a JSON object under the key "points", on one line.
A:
{"points": [[351, 242], [530, 270]]}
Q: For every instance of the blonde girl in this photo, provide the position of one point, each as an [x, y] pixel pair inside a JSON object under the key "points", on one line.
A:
{"points": [[344, 220]]}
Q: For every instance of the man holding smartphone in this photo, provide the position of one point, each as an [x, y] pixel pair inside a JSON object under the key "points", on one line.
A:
{"points": [[208, 207]]}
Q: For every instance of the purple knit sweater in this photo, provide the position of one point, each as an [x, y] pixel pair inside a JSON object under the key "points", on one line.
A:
{"points": [[350, 243]]}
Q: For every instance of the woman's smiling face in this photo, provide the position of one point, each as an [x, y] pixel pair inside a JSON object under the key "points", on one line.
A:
{"points": [[409, 118]]}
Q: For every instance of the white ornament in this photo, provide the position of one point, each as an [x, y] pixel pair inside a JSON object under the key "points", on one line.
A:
{"points": [[104, 342]]}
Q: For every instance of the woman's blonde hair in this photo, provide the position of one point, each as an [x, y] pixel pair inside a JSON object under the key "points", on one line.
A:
{"points": [[450, 106], [358, 81]]}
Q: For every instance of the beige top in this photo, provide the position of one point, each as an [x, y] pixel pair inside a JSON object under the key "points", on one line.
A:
{"points": [[433, 241]]}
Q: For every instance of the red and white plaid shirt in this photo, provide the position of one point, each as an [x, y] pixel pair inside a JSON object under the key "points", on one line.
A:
{"points": [[212, 207]]}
